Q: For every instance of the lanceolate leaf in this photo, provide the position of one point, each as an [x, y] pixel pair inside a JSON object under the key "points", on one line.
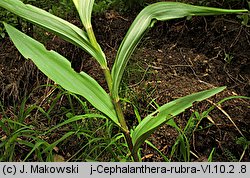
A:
{"points": [[157, 11], [54, 24], [149, 124], [58, 68]]}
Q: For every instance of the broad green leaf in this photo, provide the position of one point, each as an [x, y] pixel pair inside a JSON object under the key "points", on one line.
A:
{"points": [[158, 11], [58, 68], [56, 25], [163, 114]]}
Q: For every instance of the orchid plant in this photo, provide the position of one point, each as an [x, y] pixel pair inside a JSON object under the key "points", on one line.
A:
{"points": [[59, 69]]}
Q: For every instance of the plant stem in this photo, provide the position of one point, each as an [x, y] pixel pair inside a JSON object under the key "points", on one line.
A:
{"points": [[108, 78], [130, 145], [92, 37], [116, 101], [105, 69], [120, 115], [126, 132]]}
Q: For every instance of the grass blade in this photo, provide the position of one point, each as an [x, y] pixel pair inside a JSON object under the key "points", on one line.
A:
{"points": [[74, 119], [51, 146], [35, 147], [159, 151]]}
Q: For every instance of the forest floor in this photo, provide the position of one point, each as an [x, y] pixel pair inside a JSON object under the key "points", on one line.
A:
{"points": [[174, 59]]}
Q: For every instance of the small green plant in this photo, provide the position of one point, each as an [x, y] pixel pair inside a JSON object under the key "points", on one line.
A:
{"points": [[9, 18], [244, 19], [210, 157], [182, 143], [228, 58], [103, 5], [58, 68], [182, 149], [245, 144]]}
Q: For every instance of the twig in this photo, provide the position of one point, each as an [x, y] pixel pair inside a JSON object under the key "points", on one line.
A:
{"points": [[227, 115]]}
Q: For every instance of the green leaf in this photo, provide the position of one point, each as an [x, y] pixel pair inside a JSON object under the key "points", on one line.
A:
{"points": [[74, 119], [58, 68], [51, 146], [84, 8], [165, 113], [159, 151], [36, 146], [56, 25], [148, 16]]}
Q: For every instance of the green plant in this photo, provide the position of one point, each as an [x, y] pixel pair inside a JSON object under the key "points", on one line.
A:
{"points": [[245, 19], [245, 144], [228, 58], [24, 138], [182, 143], [181, 148], [59, 69], [101, 6], [210, 157], [9, 18], [16, 133]]}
